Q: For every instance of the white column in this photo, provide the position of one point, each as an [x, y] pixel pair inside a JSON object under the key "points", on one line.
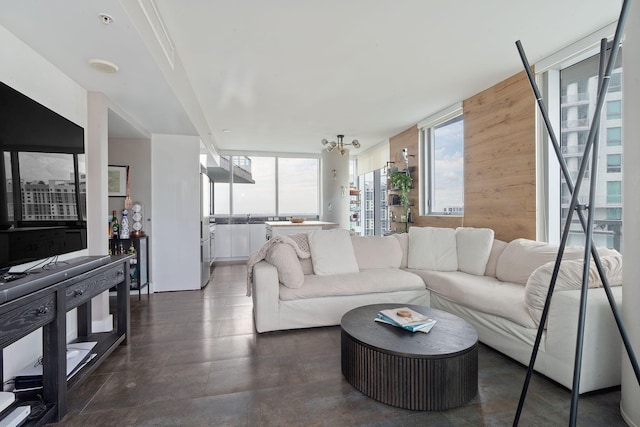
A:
{"points": [[629, 406], [335, 188], [175, 214], [97, 149]]}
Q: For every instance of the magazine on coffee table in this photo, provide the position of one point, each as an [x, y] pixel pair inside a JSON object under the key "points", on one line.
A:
{"points": [[406, 318]]}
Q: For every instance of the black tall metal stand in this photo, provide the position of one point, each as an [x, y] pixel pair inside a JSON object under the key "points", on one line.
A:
{"points": [[591, 148]]}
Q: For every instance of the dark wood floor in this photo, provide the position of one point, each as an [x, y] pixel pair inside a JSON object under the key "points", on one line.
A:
{"points": [[195, 360]]}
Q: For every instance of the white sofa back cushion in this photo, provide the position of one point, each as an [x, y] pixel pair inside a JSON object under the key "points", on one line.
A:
{"points": [[332, 252], [403, 239], [522, 256], [377, 251], [473, 247], [432, 248], [496, 250], [569, 277]]}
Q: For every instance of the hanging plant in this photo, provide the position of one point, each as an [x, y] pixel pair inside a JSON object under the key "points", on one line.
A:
{"points": [[401, 181]]}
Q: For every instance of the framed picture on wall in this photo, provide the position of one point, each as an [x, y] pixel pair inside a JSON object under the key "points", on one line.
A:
{"points": [[117, 181]]}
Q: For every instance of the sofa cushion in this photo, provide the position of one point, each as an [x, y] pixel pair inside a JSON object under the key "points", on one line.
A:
{"points": [[569, 277], [377, 251], [482, 293], [332, 252], [522, 256], [376, 280], [496, 250], [285, 259], [403, 239], [432, 248], [473, 246]]}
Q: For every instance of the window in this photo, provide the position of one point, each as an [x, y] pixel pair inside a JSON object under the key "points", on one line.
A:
{"points": [[374, 209], [443, 147], [614, 109], [614, 163], [266, 186], [576, 104], [614, 192], [614, 213], [297, 186], [614, 136]]}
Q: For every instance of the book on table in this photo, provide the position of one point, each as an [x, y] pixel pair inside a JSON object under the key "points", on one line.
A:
{"points": [[406, 318]]}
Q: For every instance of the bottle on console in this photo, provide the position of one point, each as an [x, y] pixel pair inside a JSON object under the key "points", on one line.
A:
{"points": [[124, 225], [115, 226]]}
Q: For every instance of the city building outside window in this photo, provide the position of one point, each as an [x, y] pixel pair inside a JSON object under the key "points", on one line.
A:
{"points": [[579, 89]]}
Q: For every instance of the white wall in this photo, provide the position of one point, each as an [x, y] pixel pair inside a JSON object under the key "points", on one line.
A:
{"points": [[175, 214], [335, 190], [29, 73], [631, 230]]}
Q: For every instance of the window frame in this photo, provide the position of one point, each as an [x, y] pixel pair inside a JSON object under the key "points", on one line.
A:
{"points": [[426, 179], [548, 224], [277, 156]]}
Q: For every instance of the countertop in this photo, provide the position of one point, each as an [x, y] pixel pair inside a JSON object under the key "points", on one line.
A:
{"points": [[302, 224]]}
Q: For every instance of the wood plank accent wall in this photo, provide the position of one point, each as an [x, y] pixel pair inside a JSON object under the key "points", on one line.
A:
{"points": [[499, 165]]}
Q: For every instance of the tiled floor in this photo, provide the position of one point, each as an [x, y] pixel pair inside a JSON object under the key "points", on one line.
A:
{"points": [[195, 360]]}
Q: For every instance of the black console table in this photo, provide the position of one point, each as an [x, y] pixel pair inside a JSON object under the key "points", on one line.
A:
{"points": [[42, 299]]}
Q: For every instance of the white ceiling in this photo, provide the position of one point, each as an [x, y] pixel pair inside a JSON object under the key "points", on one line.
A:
{"points": [[283, 74]]}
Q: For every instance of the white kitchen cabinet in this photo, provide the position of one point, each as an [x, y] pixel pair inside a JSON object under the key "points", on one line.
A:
{"points": [[240, 243], [223, 241], [257, 236]]}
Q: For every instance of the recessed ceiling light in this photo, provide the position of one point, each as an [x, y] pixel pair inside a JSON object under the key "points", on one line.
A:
{"points": [[104, 66], [105, 19], [226, 130]]}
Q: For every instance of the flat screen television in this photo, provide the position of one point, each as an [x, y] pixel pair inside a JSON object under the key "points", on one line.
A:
{"points": [[42, 182]]}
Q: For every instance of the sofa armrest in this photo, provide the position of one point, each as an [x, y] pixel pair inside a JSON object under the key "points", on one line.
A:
{"points": [[266, 296], [602, 343]]}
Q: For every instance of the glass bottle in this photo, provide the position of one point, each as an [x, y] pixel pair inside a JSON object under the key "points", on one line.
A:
{"points": [[115, 226]]}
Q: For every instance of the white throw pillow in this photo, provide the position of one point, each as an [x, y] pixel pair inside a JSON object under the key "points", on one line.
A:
{"points": [[285, 259], [522, 256], [432, 248], [474, 247], [332, 252], [569, 277], [377, 251]]}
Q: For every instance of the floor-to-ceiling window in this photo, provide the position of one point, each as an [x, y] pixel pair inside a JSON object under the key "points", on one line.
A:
{"points": [[267, 186], [579, 85], [375, 209]]}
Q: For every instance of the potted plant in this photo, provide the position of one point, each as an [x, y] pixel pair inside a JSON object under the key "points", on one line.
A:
{"points": [[401, 181]]}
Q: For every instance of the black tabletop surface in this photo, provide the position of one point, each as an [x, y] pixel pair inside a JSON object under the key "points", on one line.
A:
{"points": [[449, 336]]}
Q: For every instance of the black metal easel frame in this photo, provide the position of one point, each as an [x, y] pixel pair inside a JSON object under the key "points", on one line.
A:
{"points": [[587, 225]]}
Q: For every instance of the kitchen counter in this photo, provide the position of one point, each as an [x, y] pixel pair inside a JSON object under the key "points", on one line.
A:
{"points": [[279, 228], [301, 224]]}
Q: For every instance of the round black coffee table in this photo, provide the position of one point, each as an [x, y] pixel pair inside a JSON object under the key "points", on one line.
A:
{"points": [[412, 370]]}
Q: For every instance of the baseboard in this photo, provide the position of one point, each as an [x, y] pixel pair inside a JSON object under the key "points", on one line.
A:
{"points": [[626, 418]]}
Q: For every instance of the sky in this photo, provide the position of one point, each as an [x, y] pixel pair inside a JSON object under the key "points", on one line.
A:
{"points": [[449, 166], [298, 189]]}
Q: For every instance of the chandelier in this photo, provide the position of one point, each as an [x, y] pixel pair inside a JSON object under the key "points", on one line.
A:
{"points": [[340, 145]]}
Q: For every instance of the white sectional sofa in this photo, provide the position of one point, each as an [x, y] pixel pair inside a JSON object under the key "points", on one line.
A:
{"points": [[498, 287]]}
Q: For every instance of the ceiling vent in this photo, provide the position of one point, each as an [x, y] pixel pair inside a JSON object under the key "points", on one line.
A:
{"points": [[153, 17]]}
